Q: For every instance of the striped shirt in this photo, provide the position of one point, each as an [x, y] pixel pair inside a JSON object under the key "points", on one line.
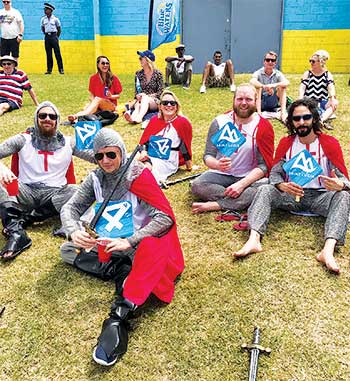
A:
{"points": [[317, 86], [12, 85]]}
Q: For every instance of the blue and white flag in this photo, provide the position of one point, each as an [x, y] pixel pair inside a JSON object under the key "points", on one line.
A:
{"points": [[85, 133], [302, 168], [164, 22], [159, 147], [116, 220], [228, 139]]}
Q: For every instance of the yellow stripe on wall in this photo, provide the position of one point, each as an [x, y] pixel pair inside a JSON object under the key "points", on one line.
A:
{"points": [[299, 45], [80, 56]]}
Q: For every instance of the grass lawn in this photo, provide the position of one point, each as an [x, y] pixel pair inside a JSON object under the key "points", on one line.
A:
{"points": [[54, 313]]}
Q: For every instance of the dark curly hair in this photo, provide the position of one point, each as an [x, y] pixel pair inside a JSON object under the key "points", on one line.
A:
{"points": [[312, 106]]}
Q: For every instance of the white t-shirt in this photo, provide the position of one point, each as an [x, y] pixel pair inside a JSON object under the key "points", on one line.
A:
{"points": [[180, 69], [219, 69], [10, 23]]}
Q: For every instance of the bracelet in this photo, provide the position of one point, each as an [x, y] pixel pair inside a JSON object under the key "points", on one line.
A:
{"points": [[20, 35]]}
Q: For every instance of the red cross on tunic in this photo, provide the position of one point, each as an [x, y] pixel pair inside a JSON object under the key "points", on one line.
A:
{"points": [[46, 161]]}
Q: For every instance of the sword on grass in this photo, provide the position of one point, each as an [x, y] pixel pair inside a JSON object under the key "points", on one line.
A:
{"points": [[90, 227], [167, 184], [255, 350]]}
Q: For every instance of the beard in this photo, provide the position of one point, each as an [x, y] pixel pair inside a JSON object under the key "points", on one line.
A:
{"points": [[47, 132], [244, 113], [303, 131]]}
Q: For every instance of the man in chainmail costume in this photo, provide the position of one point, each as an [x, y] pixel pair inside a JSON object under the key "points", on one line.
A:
{"points": [[147, 261], [42, 162]]}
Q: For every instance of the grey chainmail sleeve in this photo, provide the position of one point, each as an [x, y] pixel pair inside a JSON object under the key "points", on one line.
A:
{"points": [[87, 155], [12, 145], [77, 206], [261, 162], [159, 225]]}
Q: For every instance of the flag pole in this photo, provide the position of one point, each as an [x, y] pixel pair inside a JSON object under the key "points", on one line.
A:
{"points": [[150, 23]]}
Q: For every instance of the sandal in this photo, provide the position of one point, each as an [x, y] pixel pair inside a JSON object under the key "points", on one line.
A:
{"points": [[18, 242], [241, 226], [231, 216]]}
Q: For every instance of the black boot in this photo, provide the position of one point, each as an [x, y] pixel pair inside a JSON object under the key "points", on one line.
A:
{"points": [[40, 214], [11, 215], [113, 341]]}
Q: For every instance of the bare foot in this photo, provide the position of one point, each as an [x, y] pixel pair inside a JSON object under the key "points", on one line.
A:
{"points": [[200, 207], [329, 261], [7, 255], [252, 246]]}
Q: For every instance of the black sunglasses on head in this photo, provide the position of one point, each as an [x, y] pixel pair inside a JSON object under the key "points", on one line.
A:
{"points": [[270, 59], [111, 155], [44, 115], [167, 103], [297, 118]]}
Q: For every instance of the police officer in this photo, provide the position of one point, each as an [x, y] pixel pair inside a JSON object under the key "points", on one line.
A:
{"points": [[51, 27]]}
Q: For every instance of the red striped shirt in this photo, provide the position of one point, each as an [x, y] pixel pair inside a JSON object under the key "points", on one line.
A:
{"points": [[12, 85]]}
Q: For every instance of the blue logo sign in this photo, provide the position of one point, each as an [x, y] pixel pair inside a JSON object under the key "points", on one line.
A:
{"points": [[85, 133], [116, 220], [159, 147], [302, 168], [228, 139]]}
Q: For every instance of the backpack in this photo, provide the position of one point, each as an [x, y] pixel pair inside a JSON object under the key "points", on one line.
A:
{"points": [[105, 117]]}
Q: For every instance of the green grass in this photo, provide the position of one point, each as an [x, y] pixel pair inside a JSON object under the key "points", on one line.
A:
{"points": [[54, 314]]}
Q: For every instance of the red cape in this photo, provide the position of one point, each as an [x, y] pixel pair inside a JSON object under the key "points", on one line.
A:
{"points": [[329, 144], [165, 253], [182, 126]]}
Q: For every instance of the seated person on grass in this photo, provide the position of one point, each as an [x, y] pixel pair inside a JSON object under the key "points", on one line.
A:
{"points": [[271, 86], [179, 68], [238, 152], [12, 83], [218, 74], [104, 88], [168, 139], [146, 255], [326, 195], [43, 166]]}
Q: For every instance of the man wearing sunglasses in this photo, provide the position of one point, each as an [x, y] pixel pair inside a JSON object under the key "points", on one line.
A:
{"points": [[51, 27], [271, 85], [42, 166], [12, 83], [12, 29], [326, 195]]}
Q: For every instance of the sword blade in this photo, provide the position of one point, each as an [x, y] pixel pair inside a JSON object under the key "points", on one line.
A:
{"points": [[253, 366]]}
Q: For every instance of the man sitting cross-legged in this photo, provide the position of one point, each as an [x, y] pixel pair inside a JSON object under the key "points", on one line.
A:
{"points": [[324, 195], [232, 179]]}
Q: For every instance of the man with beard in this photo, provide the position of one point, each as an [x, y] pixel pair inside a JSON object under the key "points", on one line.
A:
{"points": [[326, 195], [232, 181], [42, 157]]}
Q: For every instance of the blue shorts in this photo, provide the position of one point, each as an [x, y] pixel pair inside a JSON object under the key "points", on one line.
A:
{"points": [[269, 102], [13, 105]]}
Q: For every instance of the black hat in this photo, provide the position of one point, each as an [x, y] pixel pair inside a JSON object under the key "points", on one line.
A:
{"points": [[49, 6]]}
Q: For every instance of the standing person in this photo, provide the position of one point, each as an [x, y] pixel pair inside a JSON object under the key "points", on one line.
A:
{"points": [[231, 181], [174, 132], [148, 87], [145, 260], [104, 88], [12, 29], [43, 167], [271, 86], [218, 74], [12, 83], [179, 68], [51, 27], [318, 84], [326, 195]]}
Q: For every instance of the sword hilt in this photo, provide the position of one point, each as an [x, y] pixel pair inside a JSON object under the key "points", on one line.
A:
{"points": [[256, 343]]}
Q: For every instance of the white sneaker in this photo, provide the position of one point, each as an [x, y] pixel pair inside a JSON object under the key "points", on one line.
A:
{"points": [[203, 89], [144, 124], [233, 87]]}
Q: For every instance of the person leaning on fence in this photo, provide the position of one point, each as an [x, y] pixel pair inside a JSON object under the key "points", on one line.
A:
{"points": [[218, 73], [326, 195], [179, 67], [42, 162], [232, 179], [145, 260], [104, 88], [148, 88], [172, 132]]}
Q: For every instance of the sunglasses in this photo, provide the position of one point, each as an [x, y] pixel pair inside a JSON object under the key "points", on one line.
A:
{"points": [[6, 64], [44, 115], [312, 61], [167, 103], [270, 59], [111, 155], [104, 63], [297, 118], [6, 2]]}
